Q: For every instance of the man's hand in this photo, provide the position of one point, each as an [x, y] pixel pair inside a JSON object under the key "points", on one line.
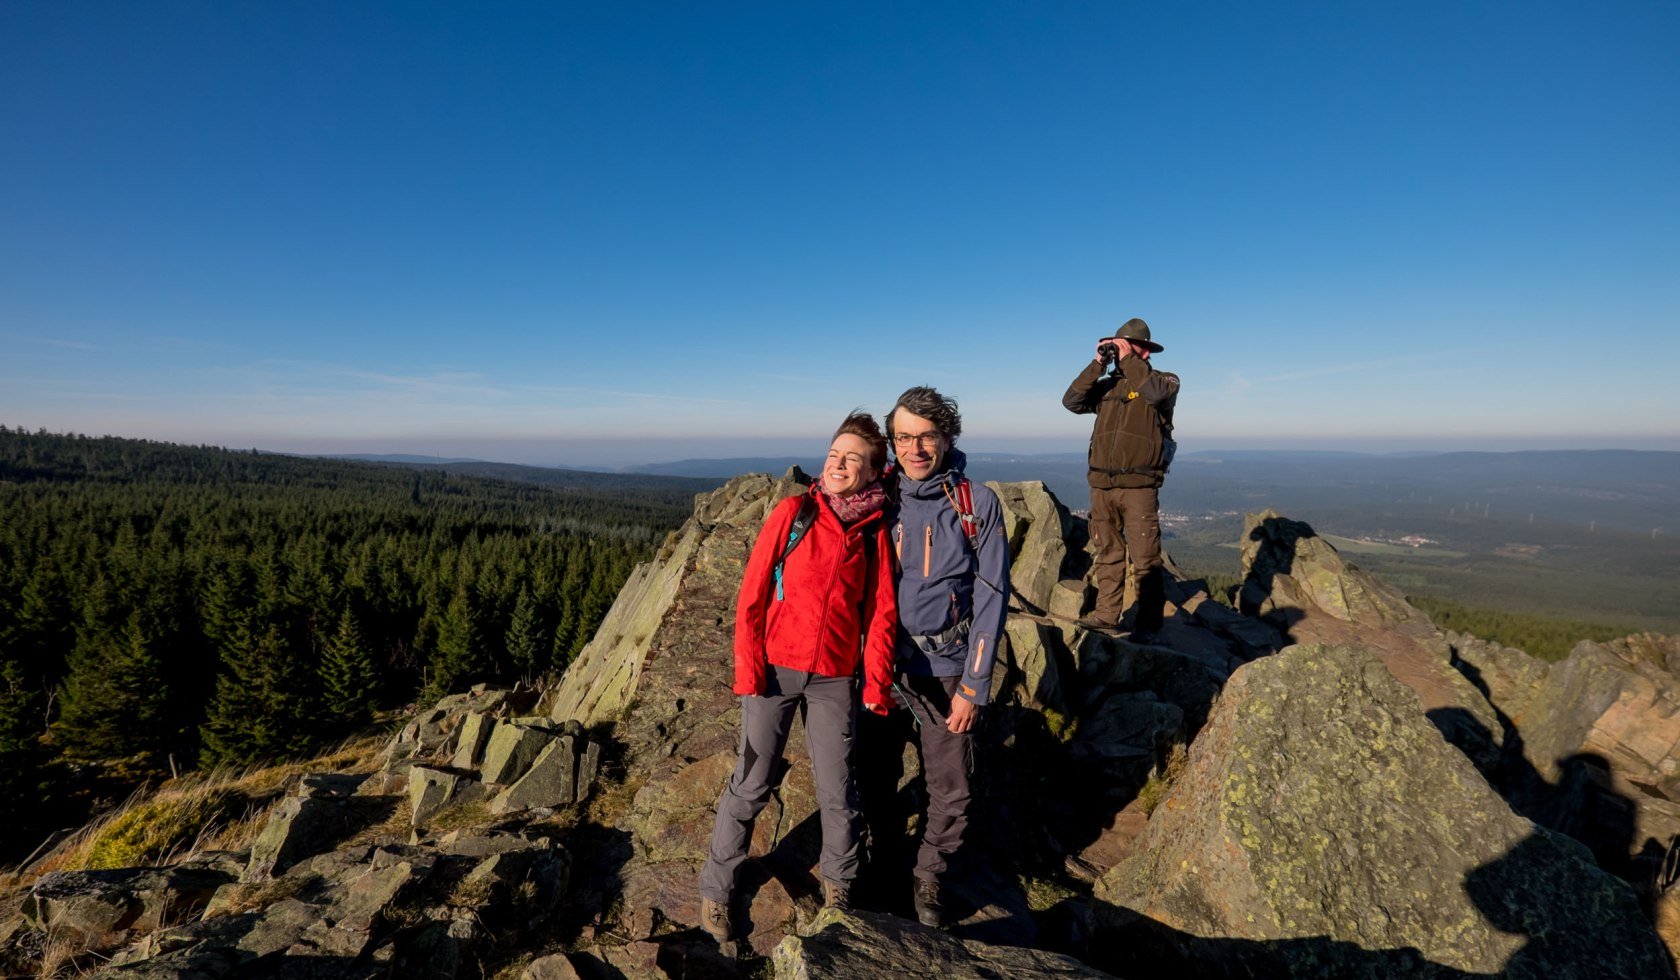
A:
{"points": [[963, 715]]}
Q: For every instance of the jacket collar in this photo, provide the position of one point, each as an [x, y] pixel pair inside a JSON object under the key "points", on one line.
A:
{"points": [[934, 486]]}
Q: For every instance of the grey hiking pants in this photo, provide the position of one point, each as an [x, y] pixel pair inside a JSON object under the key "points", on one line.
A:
{"points": [[829, 706]]}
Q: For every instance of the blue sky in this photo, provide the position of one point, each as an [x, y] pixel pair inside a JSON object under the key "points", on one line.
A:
{"points": [[614, 233]]}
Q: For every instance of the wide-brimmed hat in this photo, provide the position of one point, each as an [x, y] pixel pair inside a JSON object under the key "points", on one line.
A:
{"points": [[1136, 331]]}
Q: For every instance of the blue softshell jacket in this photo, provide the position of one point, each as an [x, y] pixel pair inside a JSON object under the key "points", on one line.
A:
{"points": [[941, 579]]}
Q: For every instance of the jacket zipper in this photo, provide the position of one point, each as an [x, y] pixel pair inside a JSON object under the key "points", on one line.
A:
{"points": [[927, 551]]}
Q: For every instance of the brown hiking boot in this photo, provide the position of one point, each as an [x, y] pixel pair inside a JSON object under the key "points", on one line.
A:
{"points": [[930, 906], [1097, 624], [714, 919], [837, 895]]}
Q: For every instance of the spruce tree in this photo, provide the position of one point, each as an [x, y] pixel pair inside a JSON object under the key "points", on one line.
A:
{"points": [[525, 645], [460, 656], [262, 708], [348, 677], [117, 699]]}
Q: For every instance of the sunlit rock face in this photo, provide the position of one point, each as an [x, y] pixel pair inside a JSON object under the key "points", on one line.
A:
{"points": [[1324, 828]]}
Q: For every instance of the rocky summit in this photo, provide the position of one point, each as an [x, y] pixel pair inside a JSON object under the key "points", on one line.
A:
{"points": [[1316, 783]]}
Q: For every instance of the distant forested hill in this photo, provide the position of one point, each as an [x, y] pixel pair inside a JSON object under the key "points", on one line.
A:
{"points": [[172, 605]]}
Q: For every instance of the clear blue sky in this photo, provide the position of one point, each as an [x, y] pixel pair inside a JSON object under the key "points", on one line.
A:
{"points": [[619, 232]]}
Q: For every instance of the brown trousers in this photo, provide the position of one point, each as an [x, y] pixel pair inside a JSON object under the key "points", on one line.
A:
{"points": [[1127, 524]]}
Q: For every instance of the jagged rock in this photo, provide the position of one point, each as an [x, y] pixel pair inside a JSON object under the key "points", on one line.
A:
{"points": [[1038, 528], [461, 843], [1506, 676], [511, 750], [278, 927], [1297, 582], [200, 951], [89, 906], [430, 790], [557, 966], [1287, 567], [866, 945], [469, 744], [589, 770], [1136, 728], [1115, 842], [551, 780], [329, 785], [1036, 653], [1189, 680], [1600, 741], [1252, 637], [1323, 828], [297, 828]]}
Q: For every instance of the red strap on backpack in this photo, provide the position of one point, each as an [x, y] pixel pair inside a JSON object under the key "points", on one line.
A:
{"points": [[964, 503]]}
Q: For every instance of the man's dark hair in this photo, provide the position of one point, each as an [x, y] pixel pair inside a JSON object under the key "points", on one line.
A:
{"points": [[925, 402], [863, 426]]}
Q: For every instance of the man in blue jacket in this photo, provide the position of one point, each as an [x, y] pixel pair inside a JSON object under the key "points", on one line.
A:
{"points": [[953, 588]]}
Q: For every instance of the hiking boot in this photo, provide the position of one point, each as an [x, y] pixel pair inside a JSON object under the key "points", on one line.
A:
{"points": [[837, 895], [1097, 624], [714, 919], [930, 907]]}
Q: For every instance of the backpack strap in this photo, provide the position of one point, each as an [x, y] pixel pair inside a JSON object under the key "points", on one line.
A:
{"points": [[962, 501], [802, 522]]}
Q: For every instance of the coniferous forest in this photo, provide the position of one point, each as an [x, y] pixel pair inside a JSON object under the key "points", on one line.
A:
{"points": [[167, 607]]}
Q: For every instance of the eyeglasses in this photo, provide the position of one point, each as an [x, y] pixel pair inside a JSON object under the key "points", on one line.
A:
{"points": [[926, 440]]}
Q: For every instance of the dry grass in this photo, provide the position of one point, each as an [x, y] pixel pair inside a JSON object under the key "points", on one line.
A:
{"points": [[250, 896], [459, 816], [221, 809], [1156, 789]]}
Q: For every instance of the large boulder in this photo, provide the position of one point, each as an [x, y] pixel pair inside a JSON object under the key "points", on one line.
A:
{"points": [[1323, 828]]}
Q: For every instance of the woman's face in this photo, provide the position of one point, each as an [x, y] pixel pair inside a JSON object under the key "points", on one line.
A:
{"points": [[847, 469]]}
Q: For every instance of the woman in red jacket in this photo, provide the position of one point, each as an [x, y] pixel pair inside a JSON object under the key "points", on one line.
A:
{"points": [[812, 611]]}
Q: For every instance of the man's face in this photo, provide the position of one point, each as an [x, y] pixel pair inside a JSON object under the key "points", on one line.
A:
{"points": [[919, 445]]}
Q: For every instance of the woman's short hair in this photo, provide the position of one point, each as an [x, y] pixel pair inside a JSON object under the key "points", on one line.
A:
{"points": [[863, 426], [925, 402]]}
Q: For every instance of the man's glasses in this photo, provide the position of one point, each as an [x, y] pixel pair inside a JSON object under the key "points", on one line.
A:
{"points": [[926, 440]]}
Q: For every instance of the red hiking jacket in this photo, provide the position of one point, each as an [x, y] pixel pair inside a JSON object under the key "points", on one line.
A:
{"points": [[838, 602]]}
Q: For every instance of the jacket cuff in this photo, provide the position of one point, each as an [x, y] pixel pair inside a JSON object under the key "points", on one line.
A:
{"points": [[875, 694], [749, 681], [980, 694]]}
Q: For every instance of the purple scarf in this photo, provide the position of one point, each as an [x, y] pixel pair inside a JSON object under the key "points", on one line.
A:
{"points": [[858, 505]]}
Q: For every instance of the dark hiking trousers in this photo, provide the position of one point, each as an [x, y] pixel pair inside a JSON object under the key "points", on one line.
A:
{"points": [[1126, 524], [829, 707], [947, 763]]}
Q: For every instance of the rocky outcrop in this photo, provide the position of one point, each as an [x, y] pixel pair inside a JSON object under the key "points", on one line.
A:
{"points": [[1323, 828], [865, 946], [1299, 584], [1594, 742]]}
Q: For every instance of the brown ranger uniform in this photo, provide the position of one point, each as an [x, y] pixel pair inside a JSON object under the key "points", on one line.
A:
{"points": [[1128, 460]]}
